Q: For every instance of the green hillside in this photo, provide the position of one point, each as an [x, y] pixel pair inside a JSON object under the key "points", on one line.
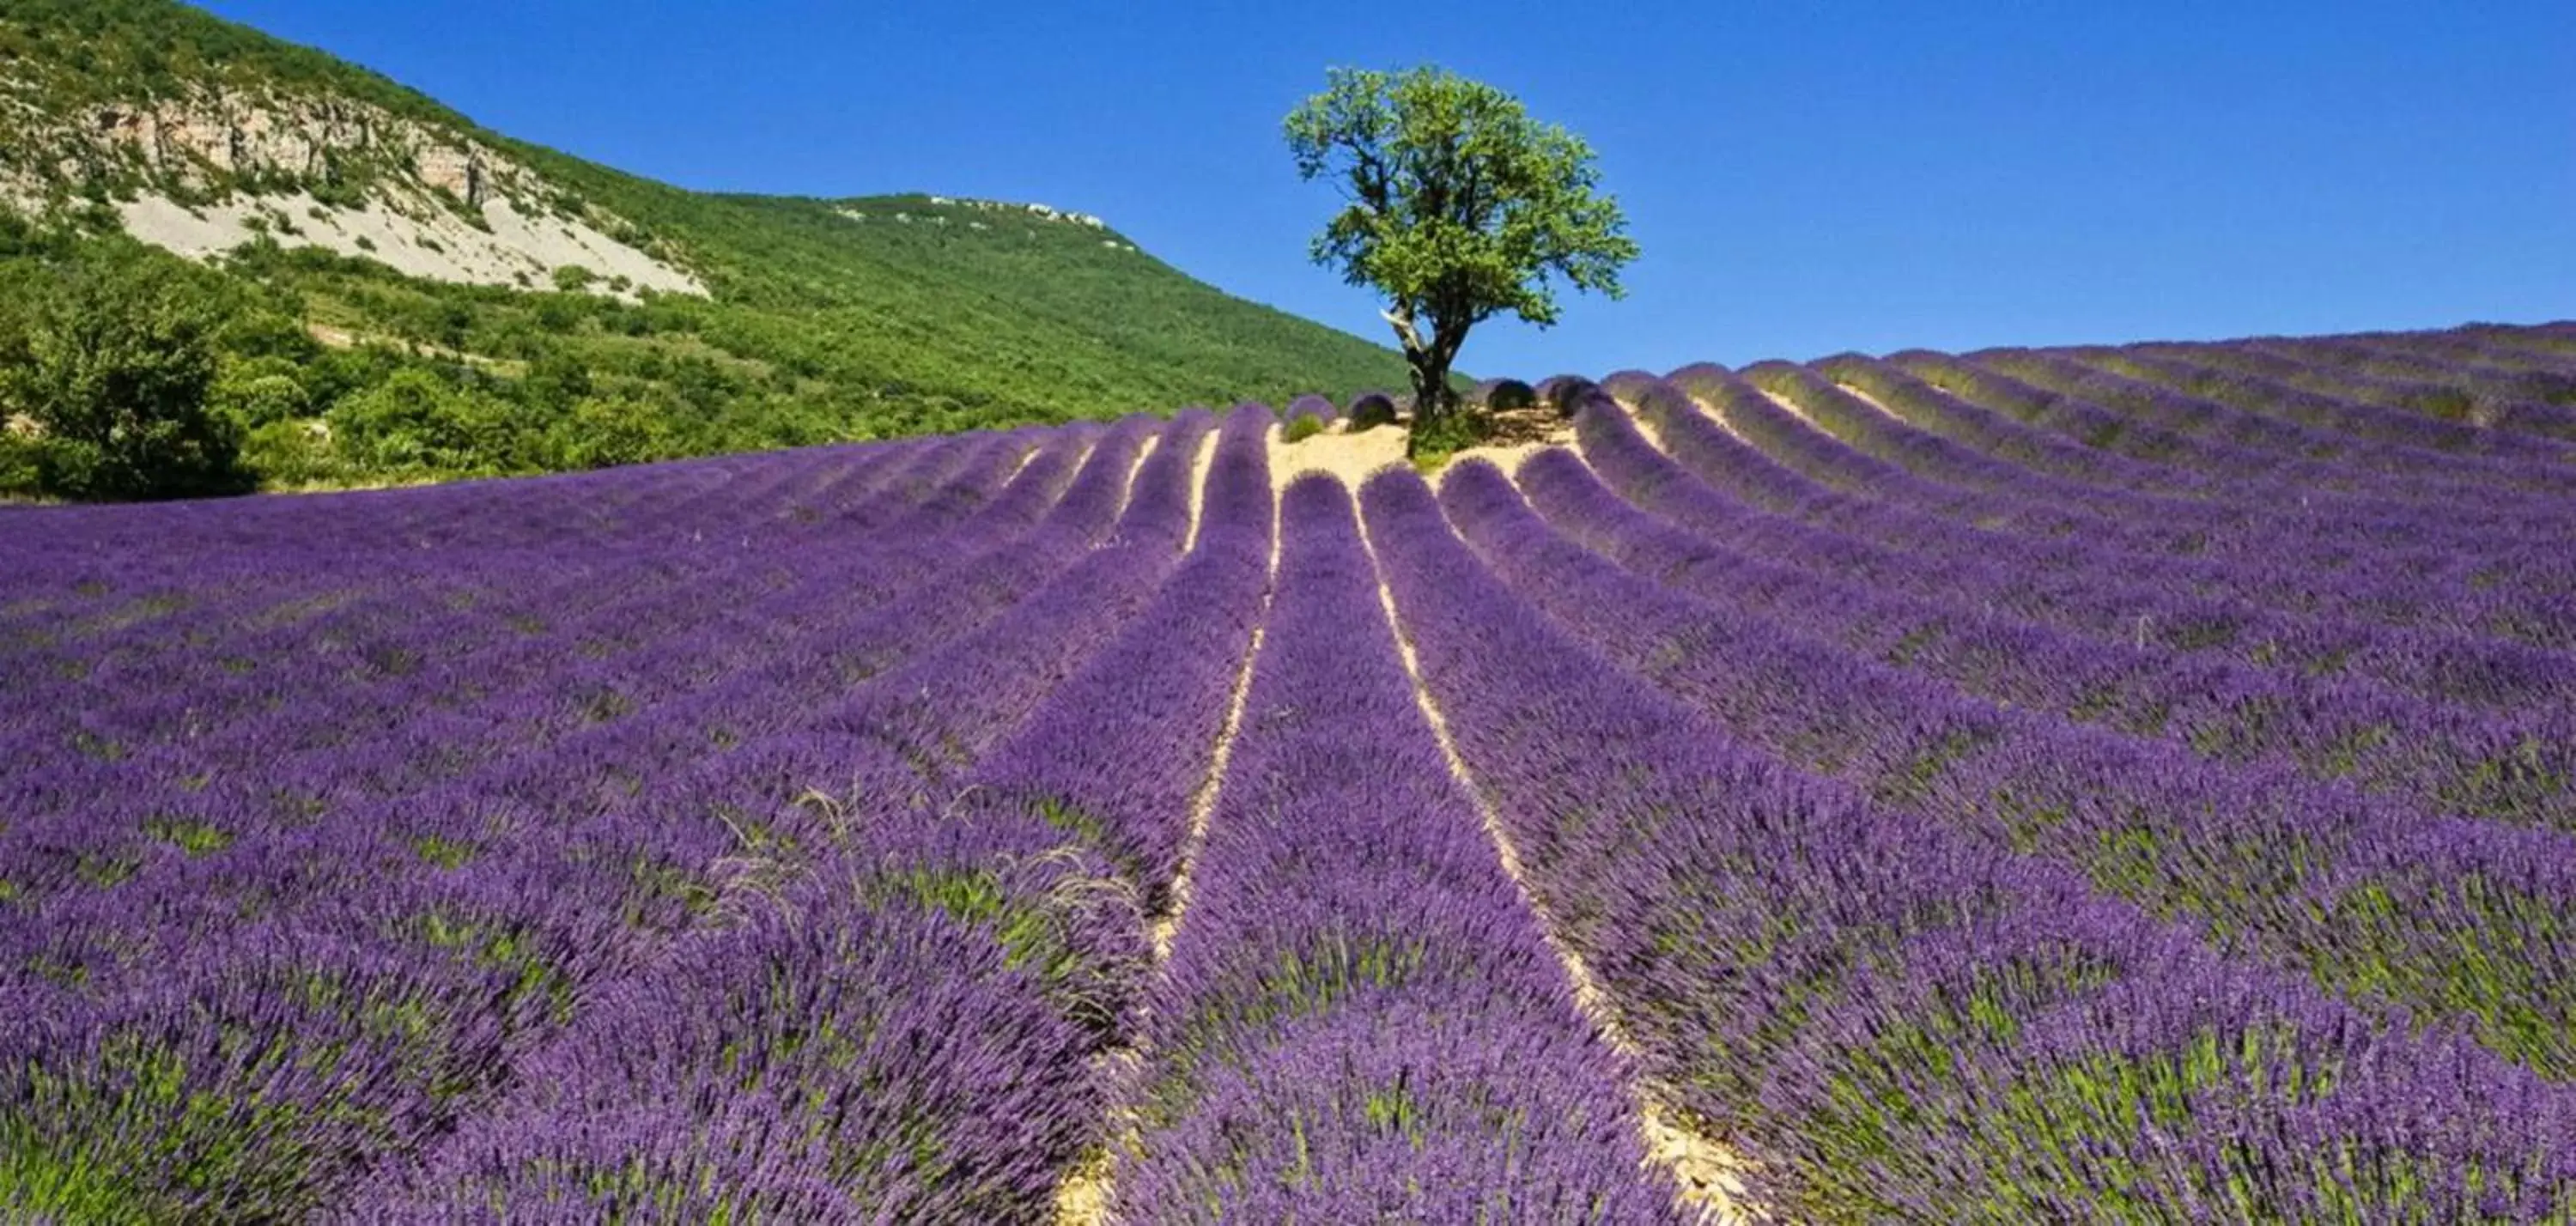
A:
{"points": [[737, 322]]}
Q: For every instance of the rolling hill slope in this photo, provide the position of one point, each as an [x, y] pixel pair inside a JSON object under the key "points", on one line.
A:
{"points": [[497, 281]]}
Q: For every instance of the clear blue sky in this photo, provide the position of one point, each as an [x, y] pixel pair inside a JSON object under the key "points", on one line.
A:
{"points": [[1805, 178]]}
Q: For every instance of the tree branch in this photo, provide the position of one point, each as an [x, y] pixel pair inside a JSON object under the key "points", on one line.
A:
{"points": [[1402, 318]]}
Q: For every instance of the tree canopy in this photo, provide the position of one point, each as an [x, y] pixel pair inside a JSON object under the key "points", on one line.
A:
{"points": [[1459, 207], [109, 369]]}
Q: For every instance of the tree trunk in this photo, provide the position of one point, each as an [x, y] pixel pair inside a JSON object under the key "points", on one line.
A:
{"points": [[1432, 399], [1432, 396]]}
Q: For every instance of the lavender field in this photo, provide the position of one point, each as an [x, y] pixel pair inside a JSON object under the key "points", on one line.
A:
{"points": [[2119, 785]]}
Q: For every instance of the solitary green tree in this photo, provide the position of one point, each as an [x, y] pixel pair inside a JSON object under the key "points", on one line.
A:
{"points": [[1459, 207]]}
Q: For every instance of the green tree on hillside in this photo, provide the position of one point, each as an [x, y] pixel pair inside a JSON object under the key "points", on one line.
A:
{"points": [[1460, 207], [105, 374]]}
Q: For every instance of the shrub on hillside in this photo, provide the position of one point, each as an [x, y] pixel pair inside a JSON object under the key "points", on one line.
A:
{"points": [[1371, 411], [20, 474], [1566, 394], [111, 361], [1510, 395], [261, 391], [407, 421], [294, 453], [415, 421], [601, 432]]}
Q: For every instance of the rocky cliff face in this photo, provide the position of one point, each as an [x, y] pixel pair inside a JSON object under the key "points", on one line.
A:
{"points": [[208, 170], [210, 140]]}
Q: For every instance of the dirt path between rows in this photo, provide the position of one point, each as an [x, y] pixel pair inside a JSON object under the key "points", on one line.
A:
{"points": [[1707, 1174], [1871, 401], [1199, 467], [1655, 434], [1085, 1196]]}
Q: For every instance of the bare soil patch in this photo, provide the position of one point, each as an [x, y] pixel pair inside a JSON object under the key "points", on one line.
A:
{"points": [[1511, 439]]}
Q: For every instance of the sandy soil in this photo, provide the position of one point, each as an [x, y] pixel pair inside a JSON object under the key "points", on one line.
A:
{"points": [[1083, 1198], [1787, 406], [1198, 486], [1203, 805], [1350, 457], [1354, 457], [342, 338], [1871, 401], [421, 239], [1509, 456], [1656, 436]]}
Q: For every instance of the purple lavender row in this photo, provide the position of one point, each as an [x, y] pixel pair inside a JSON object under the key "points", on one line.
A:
{"points": [[191, 605], [2183, 466], [2505, 365], [190, 577], [2135, 429], [394, 631], [519, 512], [213, 906], [2521, 583], [1998, 505], [2536, 610], [2521, 586], [2515, 768], [1787, 518], [104, 828], [100, 552], [2542, 353], [528, 907], [192, 785], [2014, 441], [1233, 545], [2226, 423], [2449, 386], [2216, 423], [2345, 403], [2557, 338], [1895, 1022], [1360, 1019], [2493, 382], [2195, 525], [740, 678], [2273, 866], [2510, 400], [318, 735], [2444, 565], [914, 1029], [2520, 347], [2129, 436], [1119, 751]]}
